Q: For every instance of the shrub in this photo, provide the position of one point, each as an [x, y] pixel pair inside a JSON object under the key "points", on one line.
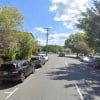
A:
{"points": [[10, 54], [1, 61]]}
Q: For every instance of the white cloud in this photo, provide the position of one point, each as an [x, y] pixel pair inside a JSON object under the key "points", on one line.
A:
{"points": [[67, 25], [68, 10], [57, 38], [71, 23], [59, 1], [41, 41], [53, 8], [41, 30]]}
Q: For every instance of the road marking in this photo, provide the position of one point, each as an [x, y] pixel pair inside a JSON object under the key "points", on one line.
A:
{"points": [[80, 94], [66, 64], [11, 93]]}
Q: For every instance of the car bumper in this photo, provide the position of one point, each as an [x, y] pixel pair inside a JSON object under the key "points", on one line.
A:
{"points": [[13, 78]]}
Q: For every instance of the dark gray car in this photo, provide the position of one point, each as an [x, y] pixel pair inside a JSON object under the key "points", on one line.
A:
{"points": [[38, 61], [16, 70]]}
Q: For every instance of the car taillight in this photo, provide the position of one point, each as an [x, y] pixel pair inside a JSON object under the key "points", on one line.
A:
{"points": [[39, 61], [16, 70]]}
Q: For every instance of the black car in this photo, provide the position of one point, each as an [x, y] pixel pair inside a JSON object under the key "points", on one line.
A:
{"points": [[38, 61], [61, 54], [16, 70]]}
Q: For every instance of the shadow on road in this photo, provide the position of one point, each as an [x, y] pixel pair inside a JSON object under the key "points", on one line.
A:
{"points": [[8, 85], [72, 57], [87, 79]]}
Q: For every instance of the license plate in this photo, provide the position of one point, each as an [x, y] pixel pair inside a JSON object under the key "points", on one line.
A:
{"points": [[5, 73]]}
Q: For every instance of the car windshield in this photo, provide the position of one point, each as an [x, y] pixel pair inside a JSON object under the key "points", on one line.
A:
{"points": [[42, 53], [35, 58]]}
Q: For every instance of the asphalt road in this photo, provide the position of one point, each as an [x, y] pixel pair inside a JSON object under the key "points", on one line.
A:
{"points": [[61, 78]]}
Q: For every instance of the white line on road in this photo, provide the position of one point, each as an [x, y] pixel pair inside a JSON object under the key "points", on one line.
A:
{"points": [[66, 64], [11, 93], [79, 92]]}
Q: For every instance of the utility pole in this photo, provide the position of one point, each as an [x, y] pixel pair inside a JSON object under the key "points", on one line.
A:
{"points": [[47, 29]]}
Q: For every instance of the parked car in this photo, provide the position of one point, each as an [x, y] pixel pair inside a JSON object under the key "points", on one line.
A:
{"points": [[61, 54], [96, 55], [16, 70], [44, 55], [84, 58], [95, 63], [92, 62], [38, 61]]}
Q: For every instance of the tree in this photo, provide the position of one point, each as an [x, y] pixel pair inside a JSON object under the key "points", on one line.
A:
{"points": [[90, 23], [82, 47], [25, 45], [10, 19], [74, 39], [36, 48], [14, 43]]}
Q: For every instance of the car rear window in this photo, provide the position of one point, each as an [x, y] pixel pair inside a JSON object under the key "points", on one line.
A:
{"points": [[7, 67], [34, 58]]}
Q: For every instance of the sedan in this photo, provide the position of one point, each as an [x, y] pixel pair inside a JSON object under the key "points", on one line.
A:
{"points": [[84, 58]]}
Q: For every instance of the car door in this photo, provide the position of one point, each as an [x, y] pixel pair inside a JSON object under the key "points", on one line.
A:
{"points": [[30, 67], [25, 67]]}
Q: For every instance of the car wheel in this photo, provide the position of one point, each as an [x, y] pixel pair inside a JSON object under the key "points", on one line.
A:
{"points": [[44, 63], [40, 66], [22, 77]]}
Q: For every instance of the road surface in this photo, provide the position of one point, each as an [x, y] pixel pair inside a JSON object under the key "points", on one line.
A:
{"points": [[61, 78]]}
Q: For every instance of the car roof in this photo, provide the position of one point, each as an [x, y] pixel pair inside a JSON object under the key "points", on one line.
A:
{"points": [[35, 57], [14, 62]]}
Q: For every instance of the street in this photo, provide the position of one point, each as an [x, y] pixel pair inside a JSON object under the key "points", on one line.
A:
{"points": [[61, 78]]}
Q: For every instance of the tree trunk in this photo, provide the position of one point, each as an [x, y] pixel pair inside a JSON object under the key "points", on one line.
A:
{"points": [[77, 54]]}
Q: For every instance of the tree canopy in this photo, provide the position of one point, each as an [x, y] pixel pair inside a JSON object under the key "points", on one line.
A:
{"points": [[10, 18], [76, 40], [14, 43], [90, 23]]}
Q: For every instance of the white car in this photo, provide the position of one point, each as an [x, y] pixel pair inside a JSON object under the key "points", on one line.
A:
{"points": [[84, 58], [43, 54]]}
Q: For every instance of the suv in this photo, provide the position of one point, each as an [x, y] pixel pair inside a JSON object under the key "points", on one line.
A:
{"points": [[16, 70], [38, 61]]}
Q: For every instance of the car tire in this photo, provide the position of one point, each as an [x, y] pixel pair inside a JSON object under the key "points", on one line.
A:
{"points": [[40, 66], [44, 63], [22, 77]]}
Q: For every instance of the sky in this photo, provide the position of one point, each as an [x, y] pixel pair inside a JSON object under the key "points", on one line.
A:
{"points": [[59, 16]]}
